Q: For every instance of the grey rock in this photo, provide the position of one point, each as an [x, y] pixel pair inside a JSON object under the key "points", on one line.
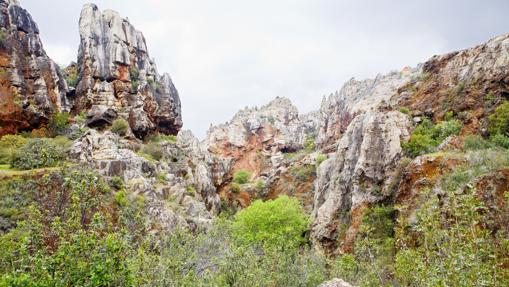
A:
{"points": [[116, 73], [336, 283], [359, 172]]}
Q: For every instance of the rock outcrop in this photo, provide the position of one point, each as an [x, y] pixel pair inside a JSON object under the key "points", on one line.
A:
{"points": [[260, 141], [31, 85], [356, 97], [336, 283], [180, 187], [358, 174], [469, 83], [117, 78]]}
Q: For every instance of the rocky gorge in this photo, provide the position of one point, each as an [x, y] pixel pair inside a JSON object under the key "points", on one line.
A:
{"points": [[382, 164]]}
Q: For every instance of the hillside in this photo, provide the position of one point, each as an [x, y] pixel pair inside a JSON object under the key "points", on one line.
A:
{"points": [[400, 180]]}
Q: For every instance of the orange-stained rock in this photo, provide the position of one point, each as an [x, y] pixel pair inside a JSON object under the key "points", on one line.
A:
{"points": [[31, 86]]}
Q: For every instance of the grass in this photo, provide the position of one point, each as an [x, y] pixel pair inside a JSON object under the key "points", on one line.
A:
{"points": [[7, 172]]}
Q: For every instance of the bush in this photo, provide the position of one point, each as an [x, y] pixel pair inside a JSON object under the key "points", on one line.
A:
{"points": [[309, 144], [475, 142], [500, 140], [235, 187], [9, 144], [499, 120], [259, 186], [404, 110], [40, 152], [278, 223], [58, 124], [190, 190], [320, 158], [426, 136], [151, 151], [162, 138], [119, 126], [135, 78], [241, 177], [116, 182]]}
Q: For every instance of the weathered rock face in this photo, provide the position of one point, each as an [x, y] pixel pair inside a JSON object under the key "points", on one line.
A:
{"points": [[470, 83], [257, 140], [31, 86], [357, 175], [180, 188], [270, 130], [118, 78], [355, 97]]}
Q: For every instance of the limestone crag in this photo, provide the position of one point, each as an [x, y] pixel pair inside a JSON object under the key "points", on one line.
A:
{"points": [[117, 78], [31, 85], [260, 141], [179, 187], [358, 174], [270, 131], [355, 97], [470, 83]]}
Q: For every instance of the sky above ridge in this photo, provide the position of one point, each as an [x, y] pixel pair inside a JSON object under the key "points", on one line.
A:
{"points": [[224, 55]]}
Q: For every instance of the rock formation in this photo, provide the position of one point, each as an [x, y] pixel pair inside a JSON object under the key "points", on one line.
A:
{"points": [[470, 83], [186, 175], [357, 175], [117, 78], [257, 140], [31, 86], [355, 97]]}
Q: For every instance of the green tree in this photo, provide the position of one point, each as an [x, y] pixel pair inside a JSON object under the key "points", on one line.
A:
{"points": [[499, 120], [278, 223]]}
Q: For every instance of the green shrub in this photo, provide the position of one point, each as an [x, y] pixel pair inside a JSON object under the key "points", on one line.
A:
{"points": [[404, 110], [235, 187], [116, 182], [259, 186], [151, 151], [81, 118], [59, 123], [241, 177], [40, 152], [190, 190], [500, 140], [426, 136], [499, 120], [303, 173], [278, 223], [475, 142], [320, 158], [162, 138], [309, 144], [135, 78], [9, 144], [119, 126], [71, 77]]}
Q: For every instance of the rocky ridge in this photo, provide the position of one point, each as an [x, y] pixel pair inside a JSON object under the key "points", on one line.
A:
{"points": [[32, 88]]}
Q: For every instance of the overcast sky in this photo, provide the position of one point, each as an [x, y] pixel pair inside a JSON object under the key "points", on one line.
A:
{"points": [[224, 55]]}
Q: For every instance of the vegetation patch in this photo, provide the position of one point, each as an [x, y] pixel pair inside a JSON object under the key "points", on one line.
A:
{"points": [[427, 136], [241, 177], [119, 126]]}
